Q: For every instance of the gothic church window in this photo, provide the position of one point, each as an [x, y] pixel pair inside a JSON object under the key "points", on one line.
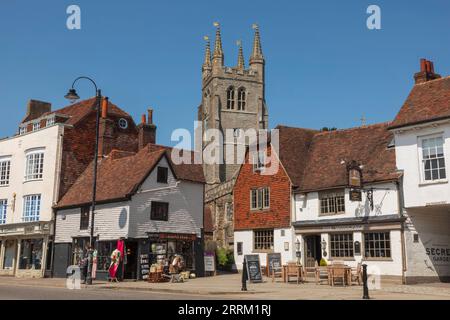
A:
{"points": [[230, 98], [241, 99]]}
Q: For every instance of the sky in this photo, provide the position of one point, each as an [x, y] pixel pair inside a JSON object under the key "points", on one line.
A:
{"points": [[324, 67]]}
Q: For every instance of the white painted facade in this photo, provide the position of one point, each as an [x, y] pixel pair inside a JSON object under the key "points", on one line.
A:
{"points": [[47, 140], [283, 244], [385, 204], [427, 204]]}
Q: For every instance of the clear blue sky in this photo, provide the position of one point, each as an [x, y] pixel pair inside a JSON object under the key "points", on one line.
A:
{"points": [[324, 67]]}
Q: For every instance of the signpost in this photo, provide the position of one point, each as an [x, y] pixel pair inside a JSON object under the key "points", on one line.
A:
{"points": [[253, 268]]}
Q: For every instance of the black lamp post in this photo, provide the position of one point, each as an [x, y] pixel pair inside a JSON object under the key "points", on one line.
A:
{"points": [[73, 96]]}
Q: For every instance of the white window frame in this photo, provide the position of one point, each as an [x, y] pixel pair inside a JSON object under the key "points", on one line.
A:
{"points": [[30, 159], [259, 161], [50, 121], [36, 126], [331, 197], [5, 171], [22, 130], [3, 210], [261, 194], [422, 161], [31, 212]]}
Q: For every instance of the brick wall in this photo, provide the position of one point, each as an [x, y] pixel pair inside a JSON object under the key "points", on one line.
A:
{"points": [[278, 215], [79, 143]]}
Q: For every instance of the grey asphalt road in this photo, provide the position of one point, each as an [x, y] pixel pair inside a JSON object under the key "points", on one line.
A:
{"points": [[8, 292]]}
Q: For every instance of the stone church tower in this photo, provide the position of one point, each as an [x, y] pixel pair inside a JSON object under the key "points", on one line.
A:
{"points": [[232, 98]]}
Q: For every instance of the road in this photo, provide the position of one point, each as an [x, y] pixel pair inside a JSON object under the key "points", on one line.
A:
{"points": [[21, 292]]}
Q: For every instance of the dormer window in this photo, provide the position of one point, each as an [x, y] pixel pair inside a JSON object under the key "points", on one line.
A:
{"points": [[241, 99], [230, 98], [50, 121], [36, 126], [22, 130]]}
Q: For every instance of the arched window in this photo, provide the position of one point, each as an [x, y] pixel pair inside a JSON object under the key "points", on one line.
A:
{"points": [[230, 98], [241, 99]]}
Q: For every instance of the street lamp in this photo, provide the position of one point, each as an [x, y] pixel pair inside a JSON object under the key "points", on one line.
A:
{"points": [[73, 96]]}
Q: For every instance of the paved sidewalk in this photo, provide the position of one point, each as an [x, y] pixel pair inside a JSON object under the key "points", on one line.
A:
{"points": [[230, 286]]}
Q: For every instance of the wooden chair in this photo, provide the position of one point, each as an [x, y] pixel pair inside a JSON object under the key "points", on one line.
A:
{"points": [[338, 272], [356, 274], [322, 273], [293, 269], [277, 271], [309, 270]]}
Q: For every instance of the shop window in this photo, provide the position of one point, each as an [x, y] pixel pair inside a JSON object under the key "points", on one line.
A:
{"points": [[263, 240], [30, 254], [239, 248], [3, 207], [80, 250], [31, 207], [341, 245], [84, 218], [10, 254], [34, 165], [104, 250], [332, 202], [260, 198], [5, 170], [163, 251], [159, 211], [377, 245], [433, 160], [162, 175]]}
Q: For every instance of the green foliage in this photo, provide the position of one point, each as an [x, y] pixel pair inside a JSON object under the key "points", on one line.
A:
{"points": [[225, 257], [323, 262]]}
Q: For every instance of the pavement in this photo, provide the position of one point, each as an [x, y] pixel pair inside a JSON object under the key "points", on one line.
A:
{"points": [[228, 286]]}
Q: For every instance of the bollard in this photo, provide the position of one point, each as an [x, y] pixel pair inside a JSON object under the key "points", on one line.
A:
{"points": [[244, 276], [365, 287]]}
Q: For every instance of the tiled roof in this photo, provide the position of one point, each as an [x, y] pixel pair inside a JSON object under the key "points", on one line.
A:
{"points": [[79, 110], [121, 173], [313, 159], [428, 101], [367, 145]]}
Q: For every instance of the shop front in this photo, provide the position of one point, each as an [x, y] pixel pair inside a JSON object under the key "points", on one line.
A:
{"points": [[376, 241], [162, 248], [26, 249]]}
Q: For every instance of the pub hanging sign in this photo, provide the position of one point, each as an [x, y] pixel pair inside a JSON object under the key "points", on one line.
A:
{"points": [[354, 174]]}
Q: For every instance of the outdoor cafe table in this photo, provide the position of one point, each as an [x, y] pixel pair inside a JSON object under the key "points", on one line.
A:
{"points": [[348, 273]]}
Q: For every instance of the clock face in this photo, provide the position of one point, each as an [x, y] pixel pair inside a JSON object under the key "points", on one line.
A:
{"points": [[123, 123]]}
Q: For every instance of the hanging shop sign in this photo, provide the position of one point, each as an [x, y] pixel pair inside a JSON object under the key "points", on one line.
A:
{"points": [[355, 195]]}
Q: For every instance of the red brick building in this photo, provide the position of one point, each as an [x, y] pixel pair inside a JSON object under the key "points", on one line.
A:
{"points": [[263, 199]]}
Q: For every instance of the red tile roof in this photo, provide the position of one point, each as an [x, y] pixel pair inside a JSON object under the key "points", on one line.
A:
{"points": [[313, 159], [121, 173], [427, 101], [79, 110]]}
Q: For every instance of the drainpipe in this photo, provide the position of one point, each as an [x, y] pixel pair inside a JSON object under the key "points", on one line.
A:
{"points": [[401, 205]]}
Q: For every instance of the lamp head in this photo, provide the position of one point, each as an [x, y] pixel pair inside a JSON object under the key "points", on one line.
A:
{"points": [[72, 95]]}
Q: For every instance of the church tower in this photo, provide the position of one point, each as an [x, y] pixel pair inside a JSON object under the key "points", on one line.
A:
{"points": [[233, 100]]}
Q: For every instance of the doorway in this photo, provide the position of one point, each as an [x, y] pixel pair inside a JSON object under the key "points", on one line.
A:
{"points": [[131, 248], [313, 250], [10, 255]]}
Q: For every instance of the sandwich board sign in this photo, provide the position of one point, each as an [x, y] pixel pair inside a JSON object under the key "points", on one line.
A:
{"points": [[253, 267]]}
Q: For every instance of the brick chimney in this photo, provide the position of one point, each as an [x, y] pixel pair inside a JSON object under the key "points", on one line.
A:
{"points": [[36, 108], [426, 72], [106, 130], [147, 130]]}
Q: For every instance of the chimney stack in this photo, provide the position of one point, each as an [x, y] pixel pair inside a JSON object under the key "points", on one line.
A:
{"points": [[36, 108], [105, 107], [426, 72], [147, 130]]}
